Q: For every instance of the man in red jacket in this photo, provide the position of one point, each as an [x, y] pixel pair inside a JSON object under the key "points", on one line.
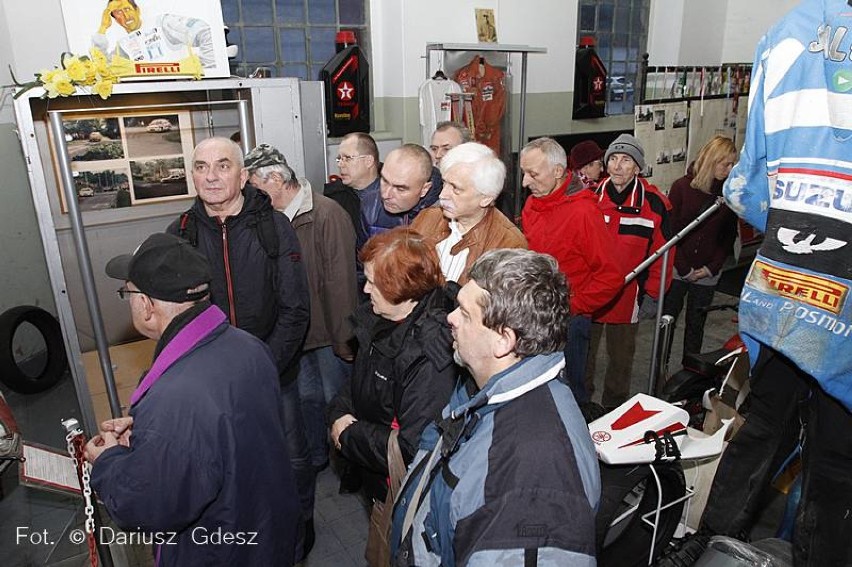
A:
{"points": [[637, 215], [560, 218]]}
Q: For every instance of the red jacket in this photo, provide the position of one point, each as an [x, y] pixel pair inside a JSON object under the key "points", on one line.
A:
{"points": [[571, 229], [489, 101], [640, 226]]}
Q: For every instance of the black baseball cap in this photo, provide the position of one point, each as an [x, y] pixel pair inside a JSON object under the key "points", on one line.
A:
{"points": [[164, 267]]}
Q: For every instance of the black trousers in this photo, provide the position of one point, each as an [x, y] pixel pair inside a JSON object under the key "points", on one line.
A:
{"points": [[783, 399], [697, 297]]}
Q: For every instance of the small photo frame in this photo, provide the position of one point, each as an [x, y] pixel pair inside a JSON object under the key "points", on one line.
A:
{"points": [[127, 160], [158, 179], [486, 25]]}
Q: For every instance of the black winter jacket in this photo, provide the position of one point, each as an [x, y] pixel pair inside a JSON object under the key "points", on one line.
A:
{"points": [[403, 370], [268, 297]]}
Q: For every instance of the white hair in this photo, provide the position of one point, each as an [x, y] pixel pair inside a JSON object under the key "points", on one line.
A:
{"points": [[488, 172]]}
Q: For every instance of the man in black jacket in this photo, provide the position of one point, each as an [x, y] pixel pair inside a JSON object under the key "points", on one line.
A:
{"points": [[258, 278]]}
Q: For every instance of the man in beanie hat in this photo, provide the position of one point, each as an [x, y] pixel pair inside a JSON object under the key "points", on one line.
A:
{"points": [[327, 239], [184, 466], [560, 218], [637, 214], [585, 162]]}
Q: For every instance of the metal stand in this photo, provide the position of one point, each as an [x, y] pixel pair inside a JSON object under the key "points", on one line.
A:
{"points": [[524, 50], [663, 252]]}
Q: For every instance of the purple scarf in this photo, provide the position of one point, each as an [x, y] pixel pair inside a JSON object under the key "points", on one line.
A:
{"points": [[182, 343]]}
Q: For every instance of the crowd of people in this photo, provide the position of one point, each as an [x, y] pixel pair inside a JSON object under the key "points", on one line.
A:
{"points": [[399, 326]]}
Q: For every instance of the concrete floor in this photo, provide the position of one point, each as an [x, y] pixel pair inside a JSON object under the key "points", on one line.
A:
{"points": [[341, 521]]}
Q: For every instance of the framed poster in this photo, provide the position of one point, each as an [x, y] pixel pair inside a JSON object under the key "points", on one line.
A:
{"points": [[127, 160], [486, 29], [154, 34], [662, 129]]}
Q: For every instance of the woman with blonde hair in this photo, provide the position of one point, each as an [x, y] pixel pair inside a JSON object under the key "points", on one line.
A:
{"points": [[701, 253]]}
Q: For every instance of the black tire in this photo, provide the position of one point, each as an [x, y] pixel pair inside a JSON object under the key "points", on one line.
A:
{"points": [[57, 361], [628, 543]]}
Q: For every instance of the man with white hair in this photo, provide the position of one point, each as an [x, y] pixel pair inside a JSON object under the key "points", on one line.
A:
{"points": [[467, 224]]}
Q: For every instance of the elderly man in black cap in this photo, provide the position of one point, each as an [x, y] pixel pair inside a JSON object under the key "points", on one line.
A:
{"points": [[327, 239], [637, 215], [183, 468]]}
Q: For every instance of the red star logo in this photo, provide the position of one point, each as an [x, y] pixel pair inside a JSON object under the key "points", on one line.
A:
{"points": [[598, 83], [633, 416], [345, 90]]}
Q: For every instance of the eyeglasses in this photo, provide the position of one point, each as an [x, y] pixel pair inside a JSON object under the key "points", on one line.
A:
{"points": [[347, 159], [124, 293]]}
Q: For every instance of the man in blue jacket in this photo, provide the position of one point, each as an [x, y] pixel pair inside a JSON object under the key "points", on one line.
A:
{"points": [[200, 466], [509, 475]]}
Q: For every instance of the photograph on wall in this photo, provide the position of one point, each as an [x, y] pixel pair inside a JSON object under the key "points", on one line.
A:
{"points": [[126, 160], [486, 25], [159, 179], [155, 34], [662, 130], [659, 120], [153, 135], [93, 139], [102, 188], [710, 118]]}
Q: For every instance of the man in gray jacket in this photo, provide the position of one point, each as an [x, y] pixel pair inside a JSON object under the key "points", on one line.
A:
{"points": [[508, 475], [327, 238]]}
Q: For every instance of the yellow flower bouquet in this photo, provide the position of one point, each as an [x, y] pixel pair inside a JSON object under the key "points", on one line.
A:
{"points": [[95, 72]]}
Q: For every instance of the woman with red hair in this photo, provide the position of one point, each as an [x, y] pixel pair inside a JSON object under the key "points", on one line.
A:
{"points": [[403, 374]]}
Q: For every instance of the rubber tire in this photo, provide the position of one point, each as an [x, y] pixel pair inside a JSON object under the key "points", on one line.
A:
{"points": [[51, 332], [631, 547]]}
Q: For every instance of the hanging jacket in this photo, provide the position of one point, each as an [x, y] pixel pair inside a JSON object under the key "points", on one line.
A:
{"points": [[794, 183], [489, 100]]}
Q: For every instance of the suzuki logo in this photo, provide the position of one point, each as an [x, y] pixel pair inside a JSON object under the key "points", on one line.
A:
{"points": [[786, 237]]}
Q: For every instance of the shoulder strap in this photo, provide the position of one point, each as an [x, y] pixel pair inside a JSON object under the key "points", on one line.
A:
{"points": [[266, 233], [188, 228]]}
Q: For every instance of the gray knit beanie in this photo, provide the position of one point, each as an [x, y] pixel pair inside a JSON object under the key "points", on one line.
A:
{"points": [[627, 144]]}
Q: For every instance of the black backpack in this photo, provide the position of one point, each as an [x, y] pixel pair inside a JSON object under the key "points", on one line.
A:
{"points": [[262, 221]]}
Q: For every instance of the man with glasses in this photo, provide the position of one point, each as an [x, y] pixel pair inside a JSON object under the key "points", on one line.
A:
{"points": [[358, 162], [184, 466]]}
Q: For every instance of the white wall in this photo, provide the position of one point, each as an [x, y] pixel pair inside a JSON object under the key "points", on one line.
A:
{"points": [[664, 30], [702, 33], [747, 22], [400, 31]]}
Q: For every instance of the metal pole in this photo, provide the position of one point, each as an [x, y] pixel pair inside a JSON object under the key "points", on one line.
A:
{"points": [[652, 379], [246, 131], [519, 191], [84, 261], [674, 240]]}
